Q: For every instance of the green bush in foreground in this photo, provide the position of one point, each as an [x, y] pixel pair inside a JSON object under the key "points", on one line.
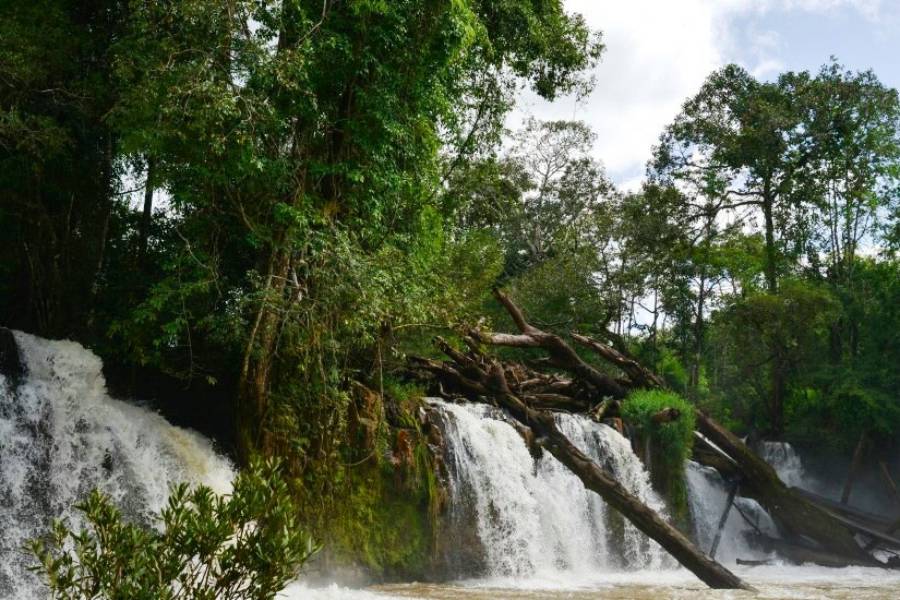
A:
{"points": [[244, 546], [671, 441]]}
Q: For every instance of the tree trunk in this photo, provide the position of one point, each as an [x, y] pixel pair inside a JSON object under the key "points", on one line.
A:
{"points": [[794, 514], [599, 481], [855, 465], [147, 214], [699, 331], [259, 358], [768, 217]]}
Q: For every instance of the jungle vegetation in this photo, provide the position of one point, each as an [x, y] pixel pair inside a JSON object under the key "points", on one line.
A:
{"points": [[266, 206]]}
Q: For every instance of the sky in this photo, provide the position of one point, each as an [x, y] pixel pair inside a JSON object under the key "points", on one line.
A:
{"points": [[658, 52]]}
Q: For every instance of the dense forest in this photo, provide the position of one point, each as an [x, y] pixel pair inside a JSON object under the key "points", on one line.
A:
{"points": [[257, 211]]}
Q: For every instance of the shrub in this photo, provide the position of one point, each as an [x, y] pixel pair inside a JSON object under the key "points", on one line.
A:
{"points": [[671, 441], [244, 546]]}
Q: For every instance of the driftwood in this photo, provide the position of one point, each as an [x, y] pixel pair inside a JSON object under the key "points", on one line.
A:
{"points": [[592, 391], [491, 379], [855, 466]]}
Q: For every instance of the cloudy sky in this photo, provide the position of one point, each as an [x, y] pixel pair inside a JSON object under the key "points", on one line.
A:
{"points": [[658, 53]]}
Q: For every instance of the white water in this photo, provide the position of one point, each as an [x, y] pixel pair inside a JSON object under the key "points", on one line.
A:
{"points": [[493, 459], [534, 518], [543, 534], [62, 435], [786, 462], [708, 495]]}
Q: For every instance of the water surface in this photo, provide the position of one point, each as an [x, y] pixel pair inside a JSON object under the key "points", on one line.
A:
{"points": [[771, 582]]}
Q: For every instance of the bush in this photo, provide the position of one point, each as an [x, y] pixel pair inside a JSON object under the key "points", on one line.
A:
{"points": [[671, 441], [244, 546]]}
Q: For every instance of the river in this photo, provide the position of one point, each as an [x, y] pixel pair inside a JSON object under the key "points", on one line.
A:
{"points": [[771, 582], [538, 533]]}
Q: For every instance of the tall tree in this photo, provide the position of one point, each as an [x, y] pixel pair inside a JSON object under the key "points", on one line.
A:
{"points": [[296, 134]]}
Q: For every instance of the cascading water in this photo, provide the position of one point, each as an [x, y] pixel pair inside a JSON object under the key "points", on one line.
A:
{"points": [[61, 435], [786, 462], [708, 495], [533, 517]]}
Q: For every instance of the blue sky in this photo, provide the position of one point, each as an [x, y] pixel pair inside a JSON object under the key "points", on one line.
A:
{"points": [[659, 52]]}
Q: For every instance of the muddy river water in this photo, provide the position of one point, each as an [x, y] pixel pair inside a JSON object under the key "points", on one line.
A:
{"points": [[771, 582]]}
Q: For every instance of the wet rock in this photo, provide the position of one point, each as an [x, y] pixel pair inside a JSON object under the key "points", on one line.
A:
{"points": [[11, 365]]}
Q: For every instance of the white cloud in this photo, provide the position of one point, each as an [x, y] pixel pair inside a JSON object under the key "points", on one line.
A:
{"points": [[658, 52]]}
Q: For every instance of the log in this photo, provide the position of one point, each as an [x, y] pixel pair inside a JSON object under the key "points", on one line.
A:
{"points": [[745, 562], [723, 519], [560, 352], [636, 372], [854, 468], [801, 554], [890, 530], [883, 538], [599, 481], [725, 466], [794, 514], [866, 517]]}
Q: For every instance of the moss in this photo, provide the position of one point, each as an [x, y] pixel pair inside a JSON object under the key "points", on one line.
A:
{"points": [[385, 529], [670, 442], [384, 516]]}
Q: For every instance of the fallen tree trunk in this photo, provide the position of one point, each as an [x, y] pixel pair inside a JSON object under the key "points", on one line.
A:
{"points": [[793, 513], [562, 355], [800, 519], [857, 514], [636, 372], [799, 554], [599, 481]]}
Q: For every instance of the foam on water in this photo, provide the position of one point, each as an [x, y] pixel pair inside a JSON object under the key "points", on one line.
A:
{"points": [[543, 534], [772, 582], [534, 518], [61, 435]]}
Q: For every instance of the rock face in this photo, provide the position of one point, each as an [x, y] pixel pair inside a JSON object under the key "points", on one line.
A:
{"points": [[11, 365]]}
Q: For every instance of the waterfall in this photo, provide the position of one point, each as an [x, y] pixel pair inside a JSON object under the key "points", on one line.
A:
{"points": [[61, 435], [707, 496], [786, 462], [533, 517]]}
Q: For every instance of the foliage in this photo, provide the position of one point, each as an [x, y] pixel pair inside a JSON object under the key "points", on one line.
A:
{"points": [[332, 187], [771, 185], [671, 441], [244, 546], [762, 332]]}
